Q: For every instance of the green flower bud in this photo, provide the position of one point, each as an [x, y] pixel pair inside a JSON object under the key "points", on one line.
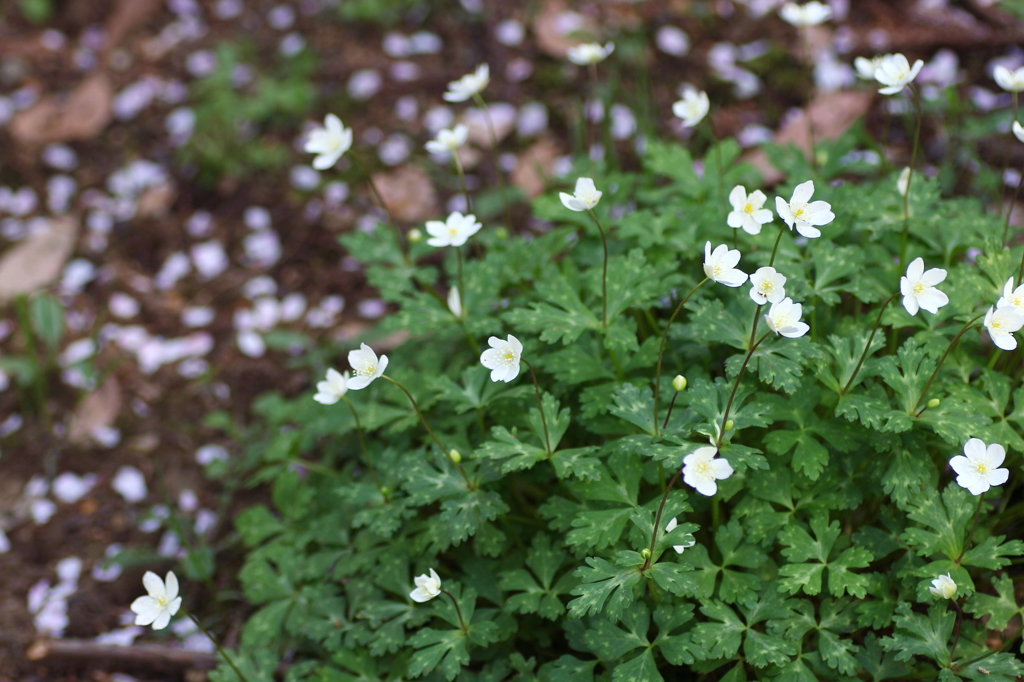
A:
{"points": [[679, 383], [455, 456], [385, 491], [729, 424], [934, 402], [501, 233], [415, 236], [645, 553]]}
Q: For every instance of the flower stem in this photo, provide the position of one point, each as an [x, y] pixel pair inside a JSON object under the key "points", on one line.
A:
{"points": [[362, 443], [478, 98], [910, 177], [1009, 640], [462, 180], [957, 626], [967, 327], [604, 270], [671, 404], [415, 406], [458, 611], [775, 249], [735, 387], [657, 519], [220, 650], [1013, 202], [974, 526], [867, 347], [540, 406], [462, 286], [661, 352]]}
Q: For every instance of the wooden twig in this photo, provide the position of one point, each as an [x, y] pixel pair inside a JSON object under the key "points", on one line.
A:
{"points": [[141, 655]]}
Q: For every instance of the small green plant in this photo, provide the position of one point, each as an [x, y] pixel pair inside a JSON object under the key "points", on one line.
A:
{"points": [[699, 472]]}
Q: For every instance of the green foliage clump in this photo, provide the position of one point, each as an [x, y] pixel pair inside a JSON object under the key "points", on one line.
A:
{"points": [[549, 530]]}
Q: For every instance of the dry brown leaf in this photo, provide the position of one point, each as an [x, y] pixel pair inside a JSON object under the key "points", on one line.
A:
{"points": [[129, 15], [38, 259], [535, 166], [80, 115], [155, 201], [558, 28], [832, 113], [100, 408], [408, 194]]}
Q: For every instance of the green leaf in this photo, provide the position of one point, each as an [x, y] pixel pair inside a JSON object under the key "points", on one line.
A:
{"points": [[538, 591], [801, 547], [1001, 608], [567, 669], [946, 515], [919, 635], [561, 317], [464, 515], [444, 650], [47, 315], [605, 588], [674, 161], [635, 406], [878, 663]]}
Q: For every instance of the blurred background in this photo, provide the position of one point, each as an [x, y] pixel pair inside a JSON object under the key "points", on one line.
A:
{"points": [[167, 253]]}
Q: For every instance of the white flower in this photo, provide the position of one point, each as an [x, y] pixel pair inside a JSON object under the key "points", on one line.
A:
{"points": [[767, 286], [502, 358], [784, 318], [455, 302], [979, 471], [895, 72], [427, 587], [701, 469], [1012, 297], [469, 85], [1018, 131], [330, 142], [1001, 323], [802, 213], [331, 390], [720, 265], [454, 231], [903, 181], [365, 367], [584, 197], [748, 211], [1011, 81], [693, 107], [448, 141], [866, 67], [161, 603], [686, 545], [943, 586], [918, 288], [589, 53], [811, 14]]}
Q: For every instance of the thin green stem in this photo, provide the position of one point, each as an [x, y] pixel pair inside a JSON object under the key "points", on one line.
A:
{"points": [[478, 98], [462, 180], [735, 386], [32, 350], [362, 442], [540, 406], [220, 650], [1009, 640], [671, 404], [775, 249], [657, 519], [967, 327], [867, 347], [1013, 202], [910, 177], [974, 526], [415, 406], [458, 611], [462, 286], [661, 350], [604, 270]]}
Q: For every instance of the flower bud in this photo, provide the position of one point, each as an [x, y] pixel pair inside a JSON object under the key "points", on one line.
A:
{"points": [[943, 586], [385, 491], [455, 456], [729, 424], [415, 236], [645, 553], [934, 402], [679, 383], [501, 233]]}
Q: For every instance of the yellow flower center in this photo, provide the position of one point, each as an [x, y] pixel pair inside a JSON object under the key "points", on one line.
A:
{"points": [[798, 213], [918, 288], [1016, 301], [749, 208], [767, 286], [996, 324], [717, 269], [161, 601], [981, 468], [781, 321], [509, 356], [702, 468], [452, 231]]}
